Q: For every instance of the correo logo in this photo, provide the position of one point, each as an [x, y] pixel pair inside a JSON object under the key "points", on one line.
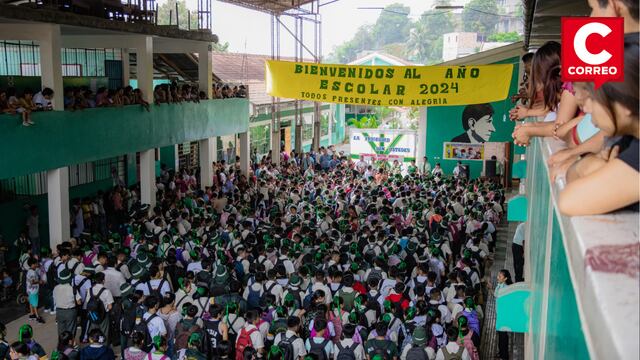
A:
{"points": [[592, 49]]}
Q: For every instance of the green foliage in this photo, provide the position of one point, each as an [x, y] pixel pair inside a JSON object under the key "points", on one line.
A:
{"points": [[365, 122], [167, 15], [477, 16], [426, 36], [505, 37], [218, 47], [392, 25]]}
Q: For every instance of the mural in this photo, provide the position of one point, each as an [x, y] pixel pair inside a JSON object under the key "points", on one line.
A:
{"points": [[469, 124]]}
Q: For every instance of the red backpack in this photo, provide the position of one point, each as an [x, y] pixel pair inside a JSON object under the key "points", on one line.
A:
{"points": [[243, 342]]}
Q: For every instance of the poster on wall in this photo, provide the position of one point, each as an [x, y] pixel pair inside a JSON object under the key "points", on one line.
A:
{"points": [[462, 151], [388, 85], [378, 145]]}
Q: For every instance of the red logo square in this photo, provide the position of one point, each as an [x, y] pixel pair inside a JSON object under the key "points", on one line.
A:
{"points": [[592, 49]]}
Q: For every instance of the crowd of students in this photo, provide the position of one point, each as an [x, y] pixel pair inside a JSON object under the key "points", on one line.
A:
{"points": [[598, 126], [82, 97], [343, 262]]}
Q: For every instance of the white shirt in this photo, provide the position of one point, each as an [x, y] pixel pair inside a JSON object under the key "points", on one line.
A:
{"points": [[299, 350], [452, 348], [144, 286], [113, 279], [156, 325], [106, 297], [256, 337], [431, 354], [346, 343], [518, 236]]}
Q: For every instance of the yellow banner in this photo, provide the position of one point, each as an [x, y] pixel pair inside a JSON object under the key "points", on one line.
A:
{"points": [[388, 85]]}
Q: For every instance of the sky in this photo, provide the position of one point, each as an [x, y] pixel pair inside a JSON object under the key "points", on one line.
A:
{"points": [[250, 31]]}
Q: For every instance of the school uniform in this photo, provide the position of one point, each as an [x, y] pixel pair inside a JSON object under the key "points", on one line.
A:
{"points": [[66, 299]]}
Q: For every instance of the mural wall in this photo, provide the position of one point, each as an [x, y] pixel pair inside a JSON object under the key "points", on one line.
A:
{"points": [[472, 124]]}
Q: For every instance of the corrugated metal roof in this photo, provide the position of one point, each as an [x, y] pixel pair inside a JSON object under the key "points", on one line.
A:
{"points": [[542, 19]]}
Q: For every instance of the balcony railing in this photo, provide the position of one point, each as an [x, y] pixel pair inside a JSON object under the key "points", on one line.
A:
{"points": [[582, 273], [61, 138]]}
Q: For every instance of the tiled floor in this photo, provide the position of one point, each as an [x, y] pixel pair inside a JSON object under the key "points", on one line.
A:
{"points": [[503, 259]]}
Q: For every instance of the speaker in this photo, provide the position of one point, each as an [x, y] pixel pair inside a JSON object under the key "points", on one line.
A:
{"points": [[490, 168]]}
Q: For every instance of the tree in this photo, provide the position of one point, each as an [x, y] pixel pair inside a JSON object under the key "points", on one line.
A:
{"points": [[425, 39], [393, 25], [222, 48], [505, 37], [167, 15], [480, 16]]}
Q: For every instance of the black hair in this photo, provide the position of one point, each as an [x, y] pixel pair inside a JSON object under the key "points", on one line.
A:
{"points": [[151, 301], [527, 58], [475, 112], [452, 333], [64, 339], [98, 278], [293, 321], [21, 348], [632, 5], [319, 324]]}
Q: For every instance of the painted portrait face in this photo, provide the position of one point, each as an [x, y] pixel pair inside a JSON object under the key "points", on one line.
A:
{"points": [[483, 127]]}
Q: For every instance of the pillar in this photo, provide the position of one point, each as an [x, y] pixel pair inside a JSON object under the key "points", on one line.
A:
{"points": [[58, 205], [275, 134], [315, 145], [144, 66], [421, 146], [126, 70], [245, 153], [51, 64], [207, 157], [148, 177], [205, 68]]}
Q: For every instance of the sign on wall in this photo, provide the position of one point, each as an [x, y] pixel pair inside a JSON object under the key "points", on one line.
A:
{"points": [[388, 85], [462, 151], [374, 144]]}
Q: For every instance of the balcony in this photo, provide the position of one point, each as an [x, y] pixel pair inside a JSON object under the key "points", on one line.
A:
{"points": [[62, 138], [582, 273]]}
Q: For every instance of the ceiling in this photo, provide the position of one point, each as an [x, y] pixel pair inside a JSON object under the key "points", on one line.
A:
{"points": [[270, 6], [542, 19]]}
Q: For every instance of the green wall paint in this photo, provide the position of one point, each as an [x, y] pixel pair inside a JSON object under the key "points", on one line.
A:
{"points": [[168, 156], [14, 214], [565, 338], [445, 122], [60, 138]]}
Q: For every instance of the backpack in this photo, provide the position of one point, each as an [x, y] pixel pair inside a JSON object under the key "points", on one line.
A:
{"points": [[253, 298], [417, 353], [375, 274], [142, 327], [52, 274], [183, 333], [128, 319], [243, 342], [266, 291], [472, 319], [348, 298], [155, 292], [318, 349], [346, 353], [383, 352], [286, 345], [95, 307], [452, 356], [239, 270]]}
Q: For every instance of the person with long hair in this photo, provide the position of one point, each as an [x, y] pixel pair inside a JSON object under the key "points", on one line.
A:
{"points": [[557, 98], [607, 182]]}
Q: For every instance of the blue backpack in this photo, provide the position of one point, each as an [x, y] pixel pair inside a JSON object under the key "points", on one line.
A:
{"points": [[253, 299], [239, 269]]}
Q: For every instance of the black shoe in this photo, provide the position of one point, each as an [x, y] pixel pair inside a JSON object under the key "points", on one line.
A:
{"points": [[40, 320], [32, 317]]}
